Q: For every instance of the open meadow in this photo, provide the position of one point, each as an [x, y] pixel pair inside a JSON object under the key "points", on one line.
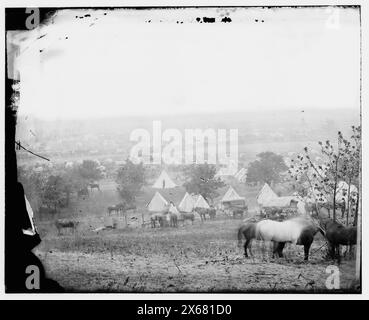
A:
{"points": [[198, 258]]}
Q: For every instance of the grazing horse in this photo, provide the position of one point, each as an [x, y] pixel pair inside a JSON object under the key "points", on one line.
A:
{"points": [[299, 231], [204, 211], [212, 212], [187, 216], [337, 235], [60, 224], [94, 186], [83, 192]]}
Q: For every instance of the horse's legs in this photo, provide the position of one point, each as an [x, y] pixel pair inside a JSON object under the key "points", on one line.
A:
{"points": [[263, 248], [246, 245], [280, 249], [331, 251], [338, 254], [249, 245], [275, 248], [306, 250]]}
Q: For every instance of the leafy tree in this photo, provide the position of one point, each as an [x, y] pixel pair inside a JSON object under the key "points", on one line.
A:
{"points": [[200, 179], [72, 181], [350, 167], [130, 179], [266, 169], [53, 193], [33, 183], [89, 170], [339, 163]]}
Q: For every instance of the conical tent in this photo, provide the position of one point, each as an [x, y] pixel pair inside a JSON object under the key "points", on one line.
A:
{"points": [[201, 202], [231, 195], [266, 194], [187, 203], [157, 203], [164, 181]]}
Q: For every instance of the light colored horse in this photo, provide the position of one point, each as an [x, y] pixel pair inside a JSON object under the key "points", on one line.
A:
{"points": [[298, 231], [286, 231]]}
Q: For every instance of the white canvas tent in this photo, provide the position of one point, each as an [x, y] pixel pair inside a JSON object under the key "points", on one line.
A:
{"points": [[164, 181], [187, 203], [265, 194], [157, 203], [231, 195], [201, 202]]}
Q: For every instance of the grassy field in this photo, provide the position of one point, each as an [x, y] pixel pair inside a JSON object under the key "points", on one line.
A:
{"points": [[203, 257], [192, 258]]}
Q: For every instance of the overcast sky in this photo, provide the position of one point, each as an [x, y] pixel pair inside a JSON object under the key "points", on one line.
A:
{"points": [[120, 63]]}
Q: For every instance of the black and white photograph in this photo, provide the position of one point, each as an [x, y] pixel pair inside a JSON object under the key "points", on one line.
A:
{"points": [[197, 149]]}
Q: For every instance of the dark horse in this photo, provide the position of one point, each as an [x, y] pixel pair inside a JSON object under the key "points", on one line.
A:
{"points": [[204, 211], [183, 216], [299, 231], [60, 224], [337, 235]]}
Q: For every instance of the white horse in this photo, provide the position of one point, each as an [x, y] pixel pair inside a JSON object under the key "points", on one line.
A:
{"points": [[298, 231]]}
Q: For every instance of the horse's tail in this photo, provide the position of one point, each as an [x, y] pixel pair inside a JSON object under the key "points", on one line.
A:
{"points": [[240, 233]]}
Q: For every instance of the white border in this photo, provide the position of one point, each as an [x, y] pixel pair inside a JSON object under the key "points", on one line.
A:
{"points": [[182, 296]]}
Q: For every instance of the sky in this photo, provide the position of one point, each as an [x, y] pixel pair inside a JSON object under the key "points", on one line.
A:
{"points": [[154, 62]]}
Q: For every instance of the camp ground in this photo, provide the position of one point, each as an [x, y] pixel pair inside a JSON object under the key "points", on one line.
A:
{"points": [[192, 149]]}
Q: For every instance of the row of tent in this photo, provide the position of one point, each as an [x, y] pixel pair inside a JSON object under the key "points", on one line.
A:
{"points": [[189, 202], [268, 198], [165, 182]]}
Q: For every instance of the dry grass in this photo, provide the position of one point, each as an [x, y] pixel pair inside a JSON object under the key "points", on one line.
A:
{"points": [[198, 258], [202, 257]]}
